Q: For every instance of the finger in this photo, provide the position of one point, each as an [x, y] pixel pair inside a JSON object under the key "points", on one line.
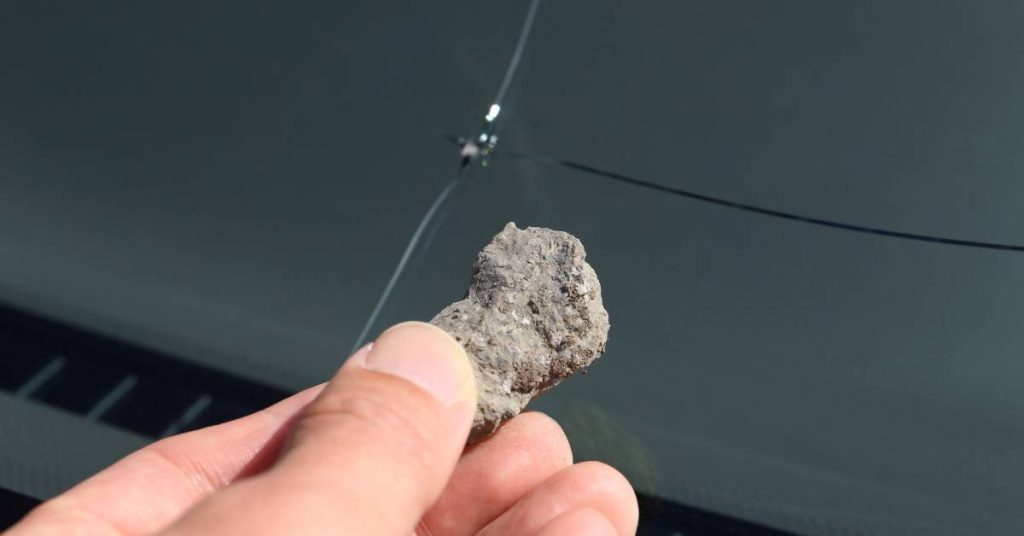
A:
{"points": [[582, 522], [494, 474], [369, 455], [586, 485], [180, 470]]}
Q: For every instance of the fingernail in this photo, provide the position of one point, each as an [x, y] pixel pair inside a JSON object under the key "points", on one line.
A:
{"points": [[426, 356], [358, 359]]}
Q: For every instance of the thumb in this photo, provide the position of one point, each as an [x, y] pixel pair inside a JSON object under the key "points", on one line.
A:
{"points": [[370, 454]]}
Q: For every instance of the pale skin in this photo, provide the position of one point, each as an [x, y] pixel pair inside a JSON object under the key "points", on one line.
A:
{"points": [[377, 450]]}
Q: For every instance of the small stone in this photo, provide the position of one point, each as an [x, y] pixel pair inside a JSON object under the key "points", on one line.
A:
{"points": [[533, 317]]}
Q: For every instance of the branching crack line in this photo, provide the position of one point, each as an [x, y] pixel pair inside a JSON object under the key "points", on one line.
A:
{"points": [[471, 150]]}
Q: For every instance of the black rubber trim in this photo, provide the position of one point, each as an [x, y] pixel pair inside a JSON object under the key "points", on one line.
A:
{"points": [[13, 507]]}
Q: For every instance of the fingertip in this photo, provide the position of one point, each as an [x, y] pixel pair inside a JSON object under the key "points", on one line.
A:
{"points": [[585, 485], [425, 326], [620, 501], [358, 358], [543, 426], [428, 357]]}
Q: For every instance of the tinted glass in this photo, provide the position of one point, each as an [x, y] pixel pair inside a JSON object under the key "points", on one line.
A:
{"points": [[234, 183]]}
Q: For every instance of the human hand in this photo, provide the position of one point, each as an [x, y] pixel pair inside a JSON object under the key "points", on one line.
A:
{"points": [[377, 450]]}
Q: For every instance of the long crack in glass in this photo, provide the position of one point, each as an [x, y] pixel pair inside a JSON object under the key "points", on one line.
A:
{"points": [[472, 150]]}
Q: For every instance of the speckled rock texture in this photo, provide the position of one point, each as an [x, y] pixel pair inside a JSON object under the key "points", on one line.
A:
{"points": [[533, 317]]}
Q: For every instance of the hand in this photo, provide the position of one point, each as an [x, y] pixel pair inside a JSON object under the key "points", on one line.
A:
{"points": [[377, 450]]}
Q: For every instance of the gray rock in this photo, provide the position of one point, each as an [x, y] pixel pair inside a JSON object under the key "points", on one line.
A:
{"points": [[533, 317]]}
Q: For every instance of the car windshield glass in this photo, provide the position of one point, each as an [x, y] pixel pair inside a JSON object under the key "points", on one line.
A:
{"points": [[804, 215]]}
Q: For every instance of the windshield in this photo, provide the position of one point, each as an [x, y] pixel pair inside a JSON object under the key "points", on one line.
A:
{"points": [[235, 184]]}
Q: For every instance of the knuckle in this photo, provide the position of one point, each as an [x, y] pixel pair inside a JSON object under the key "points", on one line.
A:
{"points": [[195, 475]]}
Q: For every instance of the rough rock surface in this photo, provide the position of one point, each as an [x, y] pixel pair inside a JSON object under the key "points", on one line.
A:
{"points": [[533, 316]]}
